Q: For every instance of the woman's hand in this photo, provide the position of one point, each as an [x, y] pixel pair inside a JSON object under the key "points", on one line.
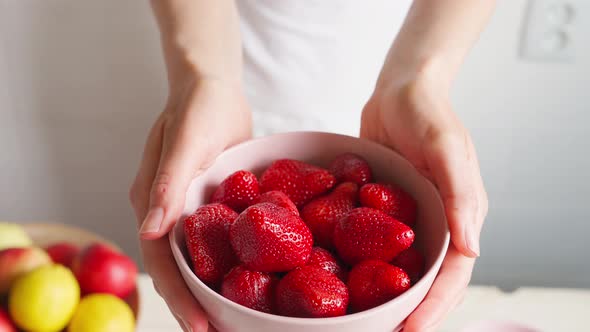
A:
{"points": [[410, 112], [201, 119]]}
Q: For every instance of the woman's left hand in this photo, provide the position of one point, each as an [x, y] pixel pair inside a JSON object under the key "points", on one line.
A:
{"points": [[410, 112]]}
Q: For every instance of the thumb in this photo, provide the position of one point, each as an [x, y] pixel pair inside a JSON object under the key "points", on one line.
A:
{"points": [[447, 156], [182, 155]]}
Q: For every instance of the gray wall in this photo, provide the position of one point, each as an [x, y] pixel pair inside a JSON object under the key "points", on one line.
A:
{"points": [[80, 84], [530, 123]]}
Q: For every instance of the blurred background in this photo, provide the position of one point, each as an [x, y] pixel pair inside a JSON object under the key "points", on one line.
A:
{"points": [[82, 81]]}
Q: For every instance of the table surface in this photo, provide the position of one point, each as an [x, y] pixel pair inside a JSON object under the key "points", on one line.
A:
{"points": [[545, 309]]}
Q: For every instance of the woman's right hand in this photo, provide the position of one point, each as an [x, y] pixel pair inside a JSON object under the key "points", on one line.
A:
{"points": [[201, 119]]}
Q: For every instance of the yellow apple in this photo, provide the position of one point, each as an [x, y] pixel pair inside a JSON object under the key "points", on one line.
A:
{"points": [[13, 236]]}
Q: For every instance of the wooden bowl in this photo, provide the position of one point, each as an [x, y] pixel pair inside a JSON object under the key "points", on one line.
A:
{"points": [[45, 234]]}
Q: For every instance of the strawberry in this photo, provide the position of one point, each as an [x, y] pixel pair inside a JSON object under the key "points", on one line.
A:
{"points": [[349, 167], [278, 198], [251, 289], [391, 200], [300, 181], [367, 233], [322, 214], [322, 258], [238, 191], [374, 282], [270, 238], [411, 261], [207, 239], [311, 292]]}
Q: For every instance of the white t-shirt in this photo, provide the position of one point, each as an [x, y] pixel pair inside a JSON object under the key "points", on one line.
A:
{"points": [[312, 64]]}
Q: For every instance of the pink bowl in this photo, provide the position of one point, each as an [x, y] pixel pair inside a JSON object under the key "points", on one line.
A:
{"points": [[319, 148]]}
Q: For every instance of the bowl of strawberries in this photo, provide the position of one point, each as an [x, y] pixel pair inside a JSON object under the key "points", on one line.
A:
{"points": [[312, 232]]}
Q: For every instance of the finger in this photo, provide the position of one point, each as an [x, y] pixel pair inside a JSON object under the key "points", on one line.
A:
{"points": [[182, 155], [481, 192], [447, 156], [212, 328], [140, 200], [140, 189], [446, 292], [436, 326], [161, 266], [180, 321]]}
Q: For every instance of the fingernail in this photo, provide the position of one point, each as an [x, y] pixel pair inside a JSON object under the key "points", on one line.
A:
{"points": [[153, 221], [471, 239]]}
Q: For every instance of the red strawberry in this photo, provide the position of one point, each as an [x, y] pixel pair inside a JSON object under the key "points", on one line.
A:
{"points": [[251, 289], [300, 181], [411, 261], [367, 233], [374, 282], [278, 198], [207, 240], [311, 292], [269, 238], [324, 259], [349, 167], [322, 214], [238, 191], [391, 200]]}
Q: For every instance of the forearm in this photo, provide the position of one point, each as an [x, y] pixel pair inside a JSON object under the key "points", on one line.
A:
{"points": [[436, 36], [200, 38]]}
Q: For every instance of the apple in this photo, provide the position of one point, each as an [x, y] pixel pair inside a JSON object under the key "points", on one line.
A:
{"points": [[6, 324], [15, 262], [101, 269], [63, 253], [13, 236]]}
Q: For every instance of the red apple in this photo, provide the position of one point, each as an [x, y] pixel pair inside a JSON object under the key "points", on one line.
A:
{"points": [[100, 269], [62, 253], [15, 262], [6, 324]]}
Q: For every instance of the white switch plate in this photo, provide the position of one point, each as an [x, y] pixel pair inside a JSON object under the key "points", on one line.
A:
{"points": [[551, 29]]}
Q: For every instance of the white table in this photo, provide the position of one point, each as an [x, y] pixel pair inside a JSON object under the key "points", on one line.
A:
{"points": [[546, 309]]}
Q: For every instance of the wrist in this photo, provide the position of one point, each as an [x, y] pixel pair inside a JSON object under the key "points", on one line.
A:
{"points": [[421, 85], [185, 76], [206, 95], [186, 65], [436, 70]]}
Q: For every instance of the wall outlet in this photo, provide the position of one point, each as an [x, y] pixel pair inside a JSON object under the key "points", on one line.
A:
{"points": [[549, 32]]}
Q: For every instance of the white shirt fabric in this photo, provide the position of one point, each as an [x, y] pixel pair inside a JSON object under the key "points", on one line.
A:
{"points": [[312, 64]]}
